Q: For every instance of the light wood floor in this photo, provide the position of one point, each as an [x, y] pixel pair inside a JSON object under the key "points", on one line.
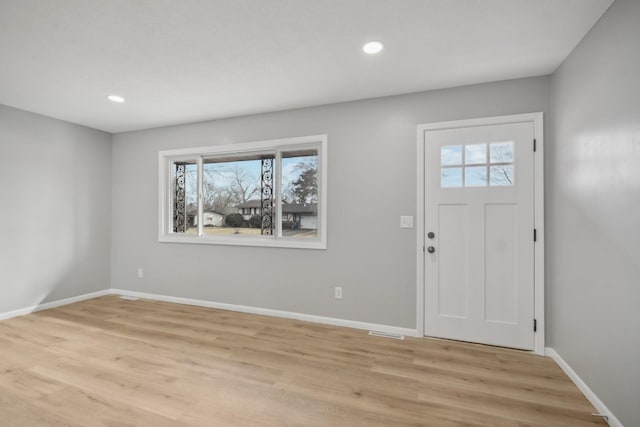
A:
{"points": [[112, 362]]}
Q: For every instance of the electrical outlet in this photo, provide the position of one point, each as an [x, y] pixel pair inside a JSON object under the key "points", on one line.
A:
{"points": [[337, 292], [140, 273], [406, 222]]}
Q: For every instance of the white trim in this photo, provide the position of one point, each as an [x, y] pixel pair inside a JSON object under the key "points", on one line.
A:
{"points": [[538, 223], [583, 387], [483, 121], [270, 312], [200, 199], [53, 304], [420, 240], [537, 119], [244, 241], [318, 142], [243, 147], [277, 187]]}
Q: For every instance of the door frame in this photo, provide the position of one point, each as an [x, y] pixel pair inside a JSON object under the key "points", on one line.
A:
{"points": [[538, 215]]}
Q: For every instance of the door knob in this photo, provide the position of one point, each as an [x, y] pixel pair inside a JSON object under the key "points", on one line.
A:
{"points": [[431, 249]]}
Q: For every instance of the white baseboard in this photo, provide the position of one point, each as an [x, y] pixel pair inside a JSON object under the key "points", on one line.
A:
{"points": [[223, 306], [584, 388], [52, 304], [274, 313]]}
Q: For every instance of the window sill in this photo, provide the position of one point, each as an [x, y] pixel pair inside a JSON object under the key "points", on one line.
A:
{"points": [[245, 241]]}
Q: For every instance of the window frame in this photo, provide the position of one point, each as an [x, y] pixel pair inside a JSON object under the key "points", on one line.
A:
{"points": [[278, 146]]}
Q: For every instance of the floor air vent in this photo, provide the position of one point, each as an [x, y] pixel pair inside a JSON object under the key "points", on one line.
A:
{"points": [[129, 298], [386, 335]]}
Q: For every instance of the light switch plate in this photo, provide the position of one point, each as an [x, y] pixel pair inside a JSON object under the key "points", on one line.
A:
{"points": [[406, 222]]}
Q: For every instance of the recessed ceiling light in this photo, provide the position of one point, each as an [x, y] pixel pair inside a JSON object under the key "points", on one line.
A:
{"points": [[115, 98], [372, 47]]}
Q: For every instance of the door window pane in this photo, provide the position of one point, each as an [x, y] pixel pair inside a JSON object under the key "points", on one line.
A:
{"points": [[475, 154], [300, 193], [450, 177], [501, 175], [501, 152], [475, 176], [451, 155]]}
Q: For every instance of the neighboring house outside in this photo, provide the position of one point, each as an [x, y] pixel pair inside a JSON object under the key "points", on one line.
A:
{"points": [[303, 216], [294, 215], [250, 208], [209, 218]]}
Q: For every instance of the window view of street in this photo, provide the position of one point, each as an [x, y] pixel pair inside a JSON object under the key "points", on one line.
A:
{"points": [[238, 194]]}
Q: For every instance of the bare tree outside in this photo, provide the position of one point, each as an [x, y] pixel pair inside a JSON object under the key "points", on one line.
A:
{"points": [[244, 186], [501, 159], [227, 185]]}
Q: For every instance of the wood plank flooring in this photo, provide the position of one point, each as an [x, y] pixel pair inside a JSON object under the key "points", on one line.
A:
{"points": [[118, 363]]}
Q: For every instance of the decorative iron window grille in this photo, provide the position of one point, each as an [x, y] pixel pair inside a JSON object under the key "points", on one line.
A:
{"points": [[266, 192], [180, 203]]}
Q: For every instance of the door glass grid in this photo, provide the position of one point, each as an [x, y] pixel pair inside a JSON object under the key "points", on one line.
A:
{"points": [[477, 165]]}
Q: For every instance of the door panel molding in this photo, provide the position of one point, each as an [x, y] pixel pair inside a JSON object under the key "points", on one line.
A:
{"points": [[422, 241]]}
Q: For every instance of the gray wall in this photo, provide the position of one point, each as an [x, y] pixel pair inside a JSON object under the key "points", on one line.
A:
{"points": [[372, 181], [55, 190], [593, 211]]}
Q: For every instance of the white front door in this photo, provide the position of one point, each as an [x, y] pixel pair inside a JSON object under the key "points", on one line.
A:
{"points": [[479, 234]]}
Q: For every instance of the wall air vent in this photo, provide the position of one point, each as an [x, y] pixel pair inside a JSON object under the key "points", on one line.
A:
{"points": [[386, 335]]}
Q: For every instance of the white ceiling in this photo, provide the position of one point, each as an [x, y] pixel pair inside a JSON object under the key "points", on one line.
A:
{"points": [[178, 61]]}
